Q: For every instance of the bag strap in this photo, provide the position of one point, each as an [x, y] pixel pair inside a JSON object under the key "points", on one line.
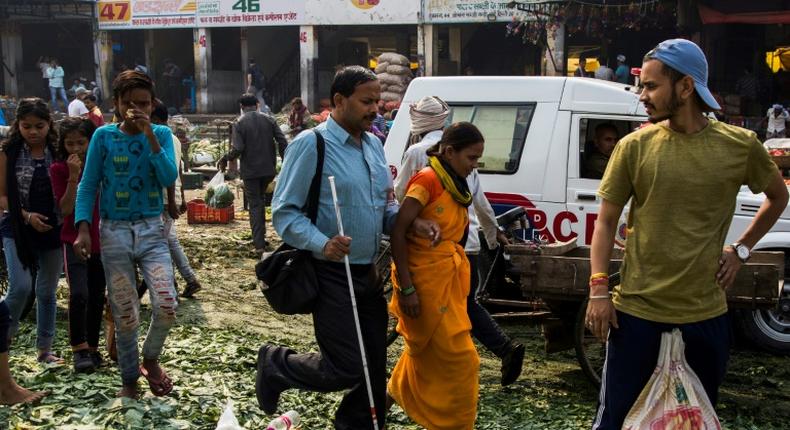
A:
{"points": [[315, 185]]}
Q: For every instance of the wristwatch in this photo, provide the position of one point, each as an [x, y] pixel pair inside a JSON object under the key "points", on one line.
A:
{"points": [[742, 251]]}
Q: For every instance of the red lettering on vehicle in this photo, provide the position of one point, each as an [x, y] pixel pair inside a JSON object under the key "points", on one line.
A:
{"points": [[558, 220]]}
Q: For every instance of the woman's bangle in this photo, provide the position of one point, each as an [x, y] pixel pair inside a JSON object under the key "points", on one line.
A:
{"points": [[599, 281], [29, 216], [599, 297], [407, 291], [600, 275]]}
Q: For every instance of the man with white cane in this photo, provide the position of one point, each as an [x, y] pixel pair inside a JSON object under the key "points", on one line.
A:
{"points": [[364, 190]]}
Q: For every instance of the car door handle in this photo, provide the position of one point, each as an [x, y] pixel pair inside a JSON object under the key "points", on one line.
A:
{"points": [[585, 196]]}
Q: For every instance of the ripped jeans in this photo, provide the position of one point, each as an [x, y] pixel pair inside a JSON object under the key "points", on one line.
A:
{"points": [[125, 244]]}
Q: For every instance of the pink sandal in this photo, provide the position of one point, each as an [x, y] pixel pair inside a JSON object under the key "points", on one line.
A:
{"points": [[160, 387]]}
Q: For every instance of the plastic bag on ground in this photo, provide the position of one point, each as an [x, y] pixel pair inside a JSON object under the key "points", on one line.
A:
{"points": [[228, 420], [674, 398]]}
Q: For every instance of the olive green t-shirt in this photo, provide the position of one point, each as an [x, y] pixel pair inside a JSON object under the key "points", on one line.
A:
{"points": [[683, 190]]}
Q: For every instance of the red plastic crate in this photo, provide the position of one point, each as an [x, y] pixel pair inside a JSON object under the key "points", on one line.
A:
{"points": [[200, 213]]}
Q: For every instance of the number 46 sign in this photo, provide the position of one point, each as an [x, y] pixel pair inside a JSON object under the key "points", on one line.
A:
{"points": [[114, 11], [247, 6]]}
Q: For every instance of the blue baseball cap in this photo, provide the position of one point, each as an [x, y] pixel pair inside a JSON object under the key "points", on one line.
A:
{"points": [[687, 58]]}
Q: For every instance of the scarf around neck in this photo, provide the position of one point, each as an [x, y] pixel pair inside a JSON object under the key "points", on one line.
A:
{"points": [[451, 181]]}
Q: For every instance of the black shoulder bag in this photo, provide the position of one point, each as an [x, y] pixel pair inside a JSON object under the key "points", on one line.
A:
{"points": [[288, 277]]}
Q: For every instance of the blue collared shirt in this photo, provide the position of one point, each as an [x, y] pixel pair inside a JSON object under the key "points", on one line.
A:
{"points": [[364, 190]]}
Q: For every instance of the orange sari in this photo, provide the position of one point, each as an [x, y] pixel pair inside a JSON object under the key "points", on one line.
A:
{"points": [[436, 378]]}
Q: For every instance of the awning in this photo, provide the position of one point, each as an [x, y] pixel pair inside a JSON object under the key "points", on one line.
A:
{"points": [[712, 16]]}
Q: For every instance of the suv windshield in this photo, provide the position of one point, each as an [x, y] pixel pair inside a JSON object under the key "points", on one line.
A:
{"points": [[504, 128]]}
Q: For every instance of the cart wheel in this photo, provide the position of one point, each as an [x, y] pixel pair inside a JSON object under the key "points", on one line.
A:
{"points": [[590, 352]]}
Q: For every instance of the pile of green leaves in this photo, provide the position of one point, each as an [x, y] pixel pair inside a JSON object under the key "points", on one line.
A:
{"points": [[211, 353], [210, 366]]}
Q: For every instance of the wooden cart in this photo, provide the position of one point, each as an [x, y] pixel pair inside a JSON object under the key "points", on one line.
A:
{"points": [[558, 276]]}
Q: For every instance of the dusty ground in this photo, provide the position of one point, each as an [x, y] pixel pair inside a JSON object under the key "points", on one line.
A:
{"points": [[211, 356]]}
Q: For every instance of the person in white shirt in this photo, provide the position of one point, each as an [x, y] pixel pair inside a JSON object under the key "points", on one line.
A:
{"points": [[777, 118], [55, 75], [77, 107], [604, 72], [428, 118], [43, 65]]}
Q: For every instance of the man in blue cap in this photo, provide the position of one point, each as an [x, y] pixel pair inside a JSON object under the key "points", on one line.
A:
{"points": [[682, 175]]}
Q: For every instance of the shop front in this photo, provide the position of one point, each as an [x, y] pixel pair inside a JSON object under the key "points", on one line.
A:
{"points": [[470, 37], [198, 51], [352, 32], [30, 33], [747, 43]]}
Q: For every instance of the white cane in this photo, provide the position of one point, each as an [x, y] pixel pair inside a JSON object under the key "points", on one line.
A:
{"points": [[354, 307]]}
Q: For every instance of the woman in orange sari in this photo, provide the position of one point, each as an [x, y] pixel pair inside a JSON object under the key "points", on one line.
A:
{"points": [[436, 378]]}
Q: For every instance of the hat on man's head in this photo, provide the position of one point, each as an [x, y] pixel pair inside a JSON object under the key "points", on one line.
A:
{"points": [[621, 58], [80, 91], [778, 106], [687, 58]]}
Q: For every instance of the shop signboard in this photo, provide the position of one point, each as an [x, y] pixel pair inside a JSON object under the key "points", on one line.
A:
{"points": [[242, 13], [460, 11], [362, 12], [142, 14], [137, 14]]}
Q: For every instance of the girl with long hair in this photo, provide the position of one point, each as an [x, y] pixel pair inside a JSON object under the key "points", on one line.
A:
{"points": [[30, 226], [85, 275]]}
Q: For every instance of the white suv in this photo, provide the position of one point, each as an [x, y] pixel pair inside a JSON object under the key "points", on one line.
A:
{"points": [[538, 131]]}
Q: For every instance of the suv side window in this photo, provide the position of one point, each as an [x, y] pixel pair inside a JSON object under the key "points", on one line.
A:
{"points": [[504, 128], [597, 139]]}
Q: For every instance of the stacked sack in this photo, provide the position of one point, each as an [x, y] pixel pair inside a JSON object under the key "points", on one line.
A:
{"points": [[394, 75]]}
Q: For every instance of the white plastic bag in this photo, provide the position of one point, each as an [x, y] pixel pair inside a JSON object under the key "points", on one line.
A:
{"points": [[674, 398], [217, 180], [228, 420]]}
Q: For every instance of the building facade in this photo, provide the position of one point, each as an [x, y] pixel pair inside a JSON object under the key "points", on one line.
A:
{"points": [[298, 44]]}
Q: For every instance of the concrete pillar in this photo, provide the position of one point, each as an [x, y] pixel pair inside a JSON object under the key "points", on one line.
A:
{"points": [[11, 38], [455, 48], [202, 49], [426, 49], [150, 53], [554, 61], [102, 54], [245, 58], [308, 63]]}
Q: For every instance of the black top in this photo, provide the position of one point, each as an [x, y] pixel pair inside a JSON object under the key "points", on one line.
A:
{"points": [[257, 139], [42, 201]]}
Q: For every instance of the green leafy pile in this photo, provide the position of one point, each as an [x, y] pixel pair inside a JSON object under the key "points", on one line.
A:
{"points": [[211, 352]]}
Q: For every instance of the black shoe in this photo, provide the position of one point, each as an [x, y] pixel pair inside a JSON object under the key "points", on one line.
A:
{"points": [[97, 359], [191, 288], [83, 363], [268, 397], [511, 363]]}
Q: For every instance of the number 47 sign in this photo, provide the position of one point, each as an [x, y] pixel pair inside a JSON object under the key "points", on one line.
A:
{"points": [[114, 11]]}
